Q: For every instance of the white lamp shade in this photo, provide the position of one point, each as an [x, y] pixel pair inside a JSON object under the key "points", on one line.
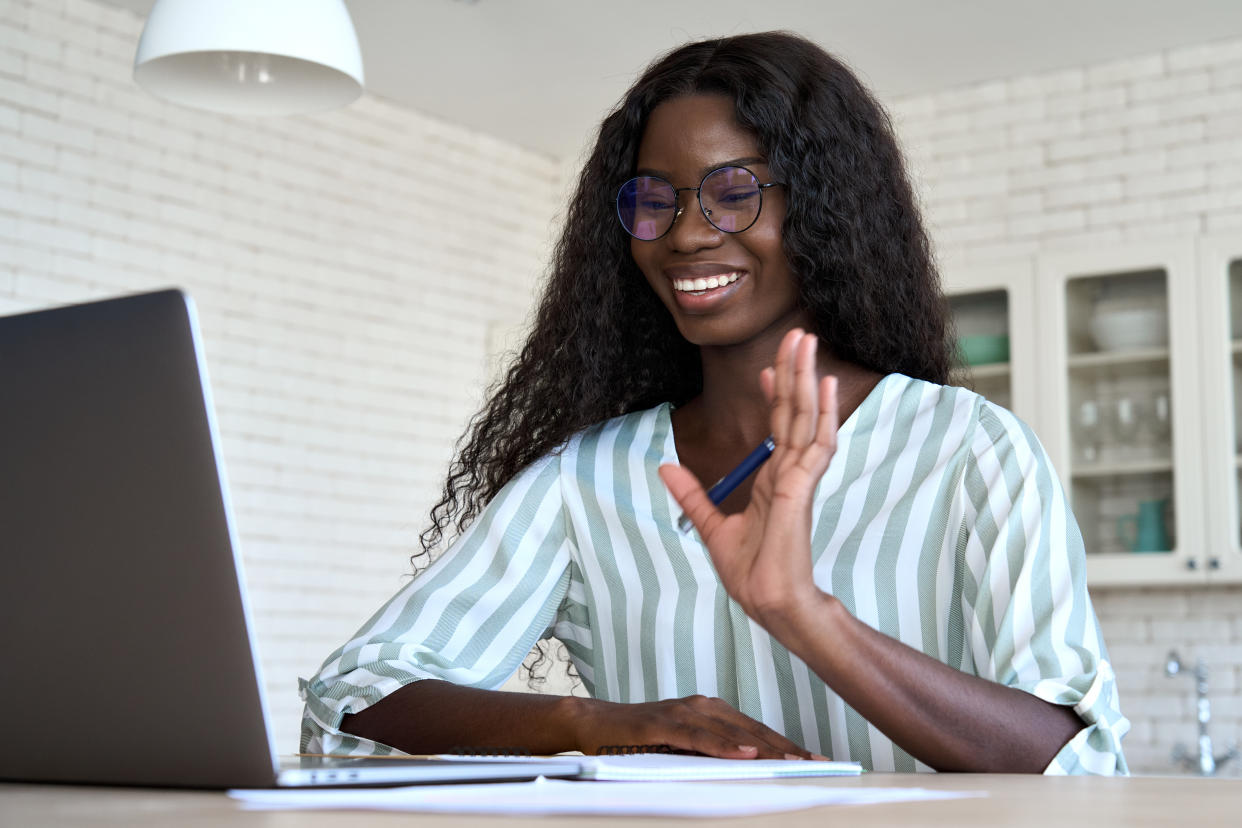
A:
{"points": [[250, 57]]}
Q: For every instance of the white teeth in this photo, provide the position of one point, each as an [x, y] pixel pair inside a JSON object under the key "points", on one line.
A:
{"points": [[696, 285]]}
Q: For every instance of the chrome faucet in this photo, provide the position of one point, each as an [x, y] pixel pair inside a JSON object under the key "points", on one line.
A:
{"points": [[1206, 763]]}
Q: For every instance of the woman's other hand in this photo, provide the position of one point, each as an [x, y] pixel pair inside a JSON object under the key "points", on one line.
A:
{"points": [[763, 553], [695, 724]]}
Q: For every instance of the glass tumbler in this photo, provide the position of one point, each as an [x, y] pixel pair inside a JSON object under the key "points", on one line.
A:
{"points": [[1087, 427]]}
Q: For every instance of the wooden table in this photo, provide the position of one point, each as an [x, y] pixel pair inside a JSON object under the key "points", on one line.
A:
{"points": [[1047, 802]]}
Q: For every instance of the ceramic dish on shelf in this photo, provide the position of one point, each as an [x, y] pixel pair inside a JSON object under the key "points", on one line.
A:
{"points": [[1126, 328], [983, 349]]}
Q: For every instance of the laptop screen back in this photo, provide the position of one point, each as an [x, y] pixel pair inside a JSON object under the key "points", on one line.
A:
{"points": [[122, 619]]}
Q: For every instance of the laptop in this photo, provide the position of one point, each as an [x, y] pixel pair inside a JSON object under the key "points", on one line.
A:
{"points": [[123, 616]]}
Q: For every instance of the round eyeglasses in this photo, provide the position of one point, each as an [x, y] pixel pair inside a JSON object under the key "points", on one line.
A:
{"points": [[730, 198]]}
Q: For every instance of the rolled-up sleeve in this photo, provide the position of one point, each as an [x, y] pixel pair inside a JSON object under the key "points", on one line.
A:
{"points": [[1030, 623], [469, 618]]}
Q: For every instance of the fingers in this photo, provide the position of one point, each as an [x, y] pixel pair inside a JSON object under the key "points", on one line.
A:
{"points": [[829, 415], [721, 727], [712, 727], [781, 398], [770, 743], [816, 455], [790, 386], [804, 407], [805, 397], [691, 497], [767, 384]]}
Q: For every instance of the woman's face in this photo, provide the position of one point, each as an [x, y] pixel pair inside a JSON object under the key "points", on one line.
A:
{"points": [[686, 138]]}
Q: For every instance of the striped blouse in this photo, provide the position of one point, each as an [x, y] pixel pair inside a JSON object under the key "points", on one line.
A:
{"points": [[940, 522]]}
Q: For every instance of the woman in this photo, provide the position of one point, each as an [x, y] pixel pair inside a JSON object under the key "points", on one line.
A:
{"points": [[743, 256]]}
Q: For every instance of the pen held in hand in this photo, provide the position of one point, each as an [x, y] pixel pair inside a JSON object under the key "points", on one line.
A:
{"points": [[726, 485]]}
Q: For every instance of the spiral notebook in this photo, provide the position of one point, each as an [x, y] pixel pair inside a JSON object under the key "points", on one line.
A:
{"points": [[676, 767]]}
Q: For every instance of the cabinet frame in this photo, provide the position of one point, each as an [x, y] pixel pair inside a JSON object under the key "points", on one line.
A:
{"points": [[1223, 545]]}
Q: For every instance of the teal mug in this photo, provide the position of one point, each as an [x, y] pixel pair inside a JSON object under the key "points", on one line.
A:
{"points": [[1146, 530]]}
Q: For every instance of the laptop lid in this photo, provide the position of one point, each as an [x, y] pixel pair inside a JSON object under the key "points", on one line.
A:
{"points": [[123, 621], [123, 614]]}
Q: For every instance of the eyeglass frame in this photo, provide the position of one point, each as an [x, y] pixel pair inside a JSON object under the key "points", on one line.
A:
{"points": [[698, 196]]}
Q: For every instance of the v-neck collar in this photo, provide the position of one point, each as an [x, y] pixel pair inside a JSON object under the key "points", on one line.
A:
{"points": [[866, 411]]}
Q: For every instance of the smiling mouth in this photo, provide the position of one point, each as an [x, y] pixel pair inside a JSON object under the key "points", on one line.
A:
{"points": [[697, 287]]}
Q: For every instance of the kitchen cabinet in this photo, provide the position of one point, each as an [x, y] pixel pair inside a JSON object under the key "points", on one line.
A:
{"points": [[1127, 362]]}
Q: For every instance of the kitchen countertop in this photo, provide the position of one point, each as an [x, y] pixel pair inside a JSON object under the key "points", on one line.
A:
{"points": [[1011, 800]]}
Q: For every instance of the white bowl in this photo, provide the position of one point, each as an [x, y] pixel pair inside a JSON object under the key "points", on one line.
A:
{"points": [[1124, 328]]}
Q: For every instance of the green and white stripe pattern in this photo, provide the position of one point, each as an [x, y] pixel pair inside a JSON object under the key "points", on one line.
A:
{"points": [[940, 522]]}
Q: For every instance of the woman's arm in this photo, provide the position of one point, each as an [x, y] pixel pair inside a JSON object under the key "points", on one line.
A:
{"points": [[433, 716], [437, 717], [948, 719]]}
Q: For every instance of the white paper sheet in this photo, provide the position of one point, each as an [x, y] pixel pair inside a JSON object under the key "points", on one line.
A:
{"points": [[554, 796]]}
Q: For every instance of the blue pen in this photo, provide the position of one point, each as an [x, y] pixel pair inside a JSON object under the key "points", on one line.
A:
{"points": [[725, 485]]}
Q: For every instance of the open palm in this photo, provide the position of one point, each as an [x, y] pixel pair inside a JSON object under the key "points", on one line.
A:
{"points": [[763, 553]]}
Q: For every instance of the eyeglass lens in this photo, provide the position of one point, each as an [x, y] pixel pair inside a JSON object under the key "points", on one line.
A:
{"points": [[730, 199]]}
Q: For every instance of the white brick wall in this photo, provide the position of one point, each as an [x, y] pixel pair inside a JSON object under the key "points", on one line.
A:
{"points": [[346, 265], [1148, 147]]}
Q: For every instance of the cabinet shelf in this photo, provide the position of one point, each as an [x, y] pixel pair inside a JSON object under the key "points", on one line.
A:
{"points": [[994, 370], [1105, 359], [1123, 469]]}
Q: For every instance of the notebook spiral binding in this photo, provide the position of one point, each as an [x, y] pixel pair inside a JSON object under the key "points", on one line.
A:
{"points": [[604, 750]]}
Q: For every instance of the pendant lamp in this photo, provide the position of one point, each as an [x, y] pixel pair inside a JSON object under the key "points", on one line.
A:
{"points": [[250, 57]]}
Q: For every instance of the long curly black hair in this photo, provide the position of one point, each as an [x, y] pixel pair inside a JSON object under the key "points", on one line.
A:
{"points": [[603, 345]]}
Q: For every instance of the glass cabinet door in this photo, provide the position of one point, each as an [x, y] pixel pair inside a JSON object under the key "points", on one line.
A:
{"points": [[1235, 391], [1121, 412], [1120, 380], [981, 322], [1221, 327], [993, 313]]}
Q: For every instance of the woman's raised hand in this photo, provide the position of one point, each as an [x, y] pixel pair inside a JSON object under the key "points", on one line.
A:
{"points": [[763, 554]]}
